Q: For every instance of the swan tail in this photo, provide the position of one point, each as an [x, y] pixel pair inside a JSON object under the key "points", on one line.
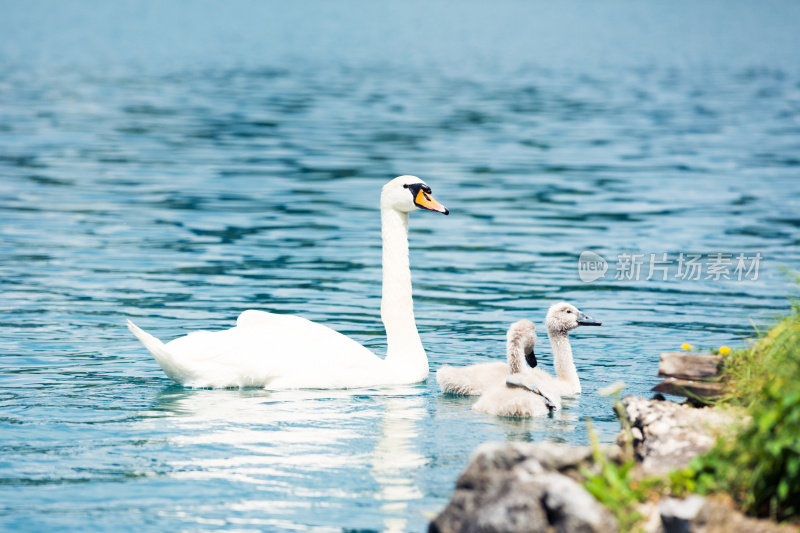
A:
{"points": [[459, 381], [159, 351]]}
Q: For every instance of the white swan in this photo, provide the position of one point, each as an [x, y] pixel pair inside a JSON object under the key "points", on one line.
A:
{"points": [[474, 380], [532, 391], [505, 400], [286, 351], [561, 319]]}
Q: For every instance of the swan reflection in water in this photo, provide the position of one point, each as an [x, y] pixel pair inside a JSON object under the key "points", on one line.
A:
{"points": [[295, 451], [395, 458], [559, 425], [555, 427]]}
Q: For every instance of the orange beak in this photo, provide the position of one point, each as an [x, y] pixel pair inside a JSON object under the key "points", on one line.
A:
{"points": [[426, 201]]}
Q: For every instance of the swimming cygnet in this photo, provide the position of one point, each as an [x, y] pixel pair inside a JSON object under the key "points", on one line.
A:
{"points": [[515, 395], [561, 319], [473, 380], [534, 392]]}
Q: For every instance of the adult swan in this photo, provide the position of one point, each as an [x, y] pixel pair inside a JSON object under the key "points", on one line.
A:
{"points": [[287, 352]]}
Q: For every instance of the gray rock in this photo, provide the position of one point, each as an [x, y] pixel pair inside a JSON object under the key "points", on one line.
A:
{"points": [[696, 514], [570, 508], [559, 457], [517, 487], [667, 435], [677, 515], [530, 487]]}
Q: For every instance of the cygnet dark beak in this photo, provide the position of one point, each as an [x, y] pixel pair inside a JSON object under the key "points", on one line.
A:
{"points": [[586, 320], [530, 358]]}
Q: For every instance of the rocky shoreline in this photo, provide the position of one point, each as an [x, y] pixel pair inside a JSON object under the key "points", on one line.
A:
{"points": [[667, 435], [516, 487]]}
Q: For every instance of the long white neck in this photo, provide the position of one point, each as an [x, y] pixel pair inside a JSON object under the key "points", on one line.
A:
{"points": [[514, 356], [562, 359], [404, 351]]}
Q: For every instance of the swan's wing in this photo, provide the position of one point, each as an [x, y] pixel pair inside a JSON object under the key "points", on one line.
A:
{"points": [[265, 347], [518, 380]]}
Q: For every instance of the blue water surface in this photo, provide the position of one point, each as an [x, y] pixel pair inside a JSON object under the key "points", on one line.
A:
{"points": [[177, 163]]}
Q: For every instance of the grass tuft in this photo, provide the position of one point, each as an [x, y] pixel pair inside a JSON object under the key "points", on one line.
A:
{"points": [[758, 465]]}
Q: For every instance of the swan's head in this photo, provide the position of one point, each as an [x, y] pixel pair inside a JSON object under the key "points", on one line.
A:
{"points": [[407, 193], [521, 338], [564, 317]]}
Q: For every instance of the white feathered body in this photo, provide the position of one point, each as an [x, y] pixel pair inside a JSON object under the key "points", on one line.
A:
{"points": [[471, 380], [288, 352], [276, 352], [502, 400], [552, 384]]}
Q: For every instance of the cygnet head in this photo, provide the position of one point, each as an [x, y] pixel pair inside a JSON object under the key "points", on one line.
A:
{"points": [[521, 338], [407, 193], [563, 317]]}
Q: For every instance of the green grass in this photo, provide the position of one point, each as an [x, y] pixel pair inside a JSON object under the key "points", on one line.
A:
{"points": [[615, 486], [758, 463], [775, 356]]}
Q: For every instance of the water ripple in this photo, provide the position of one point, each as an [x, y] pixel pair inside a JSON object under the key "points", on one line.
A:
{"points": [[182, 183]]}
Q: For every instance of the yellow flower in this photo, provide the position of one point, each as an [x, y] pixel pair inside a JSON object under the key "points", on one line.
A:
{"points": [[686, 346], [724, 350]]}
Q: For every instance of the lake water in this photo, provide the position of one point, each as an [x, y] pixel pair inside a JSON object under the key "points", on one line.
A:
{"points": [[177, 164]]}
